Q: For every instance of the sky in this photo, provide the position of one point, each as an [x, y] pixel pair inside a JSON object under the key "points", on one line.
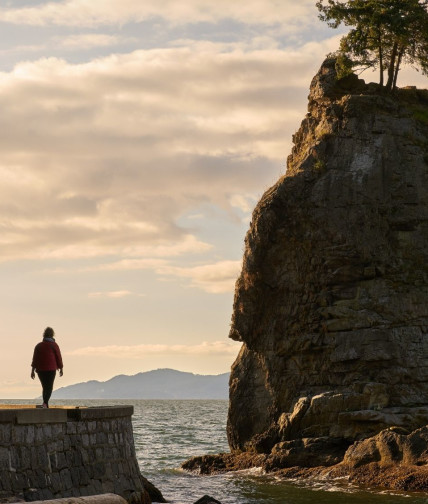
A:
{"points": [[137, 137]]}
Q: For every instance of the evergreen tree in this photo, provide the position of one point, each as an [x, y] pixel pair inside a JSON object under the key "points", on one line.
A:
{"points": [[384, 34]]}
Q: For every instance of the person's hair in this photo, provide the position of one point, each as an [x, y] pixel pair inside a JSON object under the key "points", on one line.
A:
{"points": [[49, 332]]}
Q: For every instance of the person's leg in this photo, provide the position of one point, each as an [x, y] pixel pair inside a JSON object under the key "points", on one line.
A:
{"points": [[47, 379]]}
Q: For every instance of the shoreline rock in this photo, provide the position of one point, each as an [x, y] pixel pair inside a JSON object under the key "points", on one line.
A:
{"points": [[391, 460]]}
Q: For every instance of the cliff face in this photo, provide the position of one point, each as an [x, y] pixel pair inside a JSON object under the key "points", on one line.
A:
{"points": [[332, 301]]}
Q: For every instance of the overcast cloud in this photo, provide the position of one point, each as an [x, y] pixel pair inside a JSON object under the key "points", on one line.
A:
{"points": [[103, 158], [101, 12]]}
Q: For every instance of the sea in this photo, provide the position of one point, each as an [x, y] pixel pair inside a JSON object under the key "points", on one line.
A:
{"points": [[168, 432]]}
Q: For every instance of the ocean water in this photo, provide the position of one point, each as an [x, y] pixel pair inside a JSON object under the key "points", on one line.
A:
{"points": [[167, 432]]}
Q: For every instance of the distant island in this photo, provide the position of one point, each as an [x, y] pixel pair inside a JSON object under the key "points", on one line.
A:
{"points": [[157, 384]]}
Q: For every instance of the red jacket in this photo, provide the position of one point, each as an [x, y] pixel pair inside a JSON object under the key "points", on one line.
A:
{"points": [[47, 356]]}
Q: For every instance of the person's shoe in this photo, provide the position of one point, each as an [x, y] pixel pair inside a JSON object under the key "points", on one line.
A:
{"points": [[44, 405]]}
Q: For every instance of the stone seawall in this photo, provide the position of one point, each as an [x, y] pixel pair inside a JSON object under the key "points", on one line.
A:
{"points": [[64, 452]]}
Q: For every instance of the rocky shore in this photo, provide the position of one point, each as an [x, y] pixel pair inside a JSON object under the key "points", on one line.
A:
{"points": [[390, 460], [331, 305]]}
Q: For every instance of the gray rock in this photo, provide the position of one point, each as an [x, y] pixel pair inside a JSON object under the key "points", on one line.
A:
{"points": [[331, 305]]}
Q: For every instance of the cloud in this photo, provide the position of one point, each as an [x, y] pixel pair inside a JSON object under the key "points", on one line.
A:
{"points": [[213, 278], [113, 294], [92, 13], [91, 40], [103, 158], [141, 351], [245, 202]]}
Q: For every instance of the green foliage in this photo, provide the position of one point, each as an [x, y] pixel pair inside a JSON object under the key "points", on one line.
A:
{"points": [[344, 65], [319, 166], [421, 114], [384, 34]]}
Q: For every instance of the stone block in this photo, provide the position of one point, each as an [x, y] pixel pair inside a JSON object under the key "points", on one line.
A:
{"points": [[98, 486], [32, 478], [108, 452], [5, 433], [7, 416], [18, 435], [89, 489], [39, 435], [99, 470], [43, 459], [55, 483], [93, 426], [4, 459], [106, 426], [40, 416], [61, 461], [66, 481], [74, 471], [55, 446], [83, 477], [5, 481], [47, 432], [107, 487], [85, 456], [53, 461], [19, 481], [71, 428], [107, 412], [82, 427], [15, 458], [41, 478]]}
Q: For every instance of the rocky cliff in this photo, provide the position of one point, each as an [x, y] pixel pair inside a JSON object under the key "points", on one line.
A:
{"points": [[332, 301]]}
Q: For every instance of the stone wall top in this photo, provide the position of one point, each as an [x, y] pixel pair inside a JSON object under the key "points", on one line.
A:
{"points": [[61, 414]]}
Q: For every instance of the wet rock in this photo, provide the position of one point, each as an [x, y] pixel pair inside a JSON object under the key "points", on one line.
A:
{"points": [[223, 462], [206, 499], [310, 452]]}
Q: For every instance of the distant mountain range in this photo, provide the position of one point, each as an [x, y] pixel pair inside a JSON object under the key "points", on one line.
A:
{"points": [[158, 384]]}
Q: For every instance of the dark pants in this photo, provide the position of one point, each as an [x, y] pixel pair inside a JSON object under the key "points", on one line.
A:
{"points": [[47, 379]]}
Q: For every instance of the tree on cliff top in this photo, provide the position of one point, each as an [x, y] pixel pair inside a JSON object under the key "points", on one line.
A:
{"points": [[385, 34]]}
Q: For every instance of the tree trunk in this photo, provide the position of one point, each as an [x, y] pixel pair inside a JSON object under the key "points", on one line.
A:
{"points": [[381, 65], [397, 68], [391, 66]]}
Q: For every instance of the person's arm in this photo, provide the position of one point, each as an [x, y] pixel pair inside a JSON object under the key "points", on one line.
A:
{"points": [[33, 363], [58, 358]]}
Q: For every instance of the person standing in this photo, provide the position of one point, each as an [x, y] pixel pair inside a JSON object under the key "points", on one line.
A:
{"points": [[46, 360]]}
